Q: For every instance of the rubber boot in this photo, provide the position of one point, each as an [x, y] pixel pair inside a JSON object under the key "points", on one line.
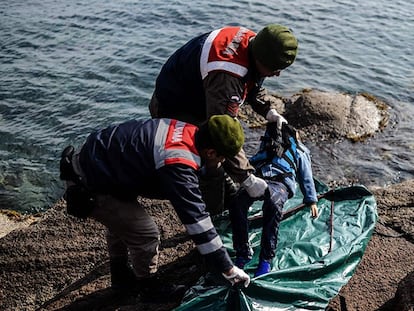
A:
{"points": [[122, 275]]}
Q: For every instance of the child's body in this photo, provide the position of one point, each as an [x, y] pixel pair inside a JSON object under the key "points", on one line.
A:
{"points": [[282, 160]]}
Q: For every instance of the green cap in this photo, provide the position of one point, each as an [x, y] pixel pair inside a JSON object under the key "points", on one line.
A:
{"points": [[275, 47], [226, 134]]}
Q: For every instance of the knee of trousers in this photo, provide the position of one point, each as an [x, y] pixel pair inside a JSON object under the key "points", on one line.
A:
{"points": [[144, 257]]}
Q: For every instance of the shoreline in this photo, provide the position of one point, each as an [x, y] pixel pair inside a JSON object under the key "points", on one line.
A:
{"points": [[12, 220]]}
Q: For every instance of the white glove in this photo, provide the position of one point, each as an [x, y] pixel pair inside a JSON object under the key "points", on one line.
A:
{"points": [[237, 275], [273, 116], [254, 186]]}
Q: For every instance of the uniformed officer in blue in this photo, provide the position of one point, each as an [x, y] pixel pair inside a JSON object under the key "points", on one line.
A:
{"points": [[156, 158]]}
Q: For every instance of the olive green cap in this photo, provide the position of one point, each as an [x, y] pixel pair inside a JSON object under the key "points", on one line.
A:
{"points": [[227, 134], [275, 47]]}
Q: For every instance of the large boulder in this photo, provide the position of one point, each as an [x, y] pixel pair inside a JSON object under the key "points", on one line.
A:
{"points": [[325, 115], [337, 115]]}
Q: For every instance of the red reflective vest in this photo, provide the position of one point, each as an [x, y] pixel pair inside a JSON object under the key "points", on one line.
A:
{"points": [[226, 49], [179, 86], [174, 143]]}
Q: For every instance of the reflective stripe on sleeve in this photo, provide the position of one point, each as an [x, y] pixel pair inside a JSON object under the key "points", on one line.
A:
{"points": [[199, 227], [211, 246], [159, 142]]}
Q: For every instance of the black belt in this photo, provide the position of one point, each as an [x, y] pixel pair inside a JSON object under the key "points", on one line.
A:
{"points": [[79, 200], [66, 168]]}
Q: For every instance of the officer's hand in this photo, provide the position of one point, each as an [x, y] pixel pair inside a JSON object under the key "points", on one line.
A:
{"points": [[236, 275], [314, 210], [273, 116], [254, 186]]}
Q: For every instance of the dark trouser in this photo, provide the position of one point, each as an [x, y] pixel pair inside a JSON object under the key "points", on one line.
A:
{"points": [[131, 231], [272, 215]]}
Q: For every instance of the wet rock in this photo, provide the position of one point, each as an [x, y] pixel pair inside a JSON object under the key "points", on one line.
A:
{"points": [[12, 181], [337, 115], [326, 115]]}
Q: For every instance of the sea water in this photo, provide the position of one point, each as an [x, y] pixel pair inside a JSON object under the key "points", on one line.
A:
{"points": [[69, 67]]}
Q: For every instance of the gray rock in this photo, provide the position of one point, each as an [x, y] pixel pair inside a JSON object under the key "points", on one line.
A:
{"points": [[337, 115]]}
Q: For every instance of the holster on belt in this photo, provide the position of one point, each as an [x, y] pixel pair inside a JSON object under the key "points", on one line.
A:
{"points": [[66, 167], [79, 200]]}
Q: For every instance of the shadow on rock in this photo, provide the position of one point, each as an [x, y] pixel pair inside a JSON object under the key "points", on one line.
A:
{"points": [[92, 292]]}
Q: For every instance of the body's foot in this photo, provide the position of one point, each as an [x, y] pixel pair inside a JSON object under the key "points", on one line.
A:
{"points": [[263, 268]]}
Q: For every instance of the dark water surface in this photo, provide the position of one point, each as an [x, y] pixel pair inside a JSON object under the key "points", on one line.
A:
{"points": [[68, 67]]}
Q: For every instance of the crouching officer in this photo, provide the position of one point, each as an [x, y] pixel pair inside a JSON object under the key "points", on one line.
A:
{"points": [[157, 158]]}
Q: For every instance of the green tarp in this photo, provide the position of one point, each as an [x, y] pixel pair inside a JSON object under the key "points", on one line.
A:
{"points": [[313, 259]]}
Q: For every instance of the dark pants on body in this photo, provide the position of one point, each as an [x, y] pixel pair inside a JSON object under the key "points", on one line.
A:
{"points": [[272, 215]]}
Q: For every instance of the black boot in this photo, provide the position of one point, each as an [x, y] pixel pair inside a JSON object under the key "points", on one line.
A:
{"points": [[122, 275]]}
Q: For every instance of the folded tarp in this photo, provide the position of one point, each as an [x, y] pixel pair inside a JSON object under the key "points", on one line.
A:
{"points": [[313, 259]]}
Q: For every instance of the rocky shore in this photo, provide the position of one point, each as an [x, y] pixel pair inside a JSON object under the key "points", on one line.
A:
{"points": [[57, 262]]}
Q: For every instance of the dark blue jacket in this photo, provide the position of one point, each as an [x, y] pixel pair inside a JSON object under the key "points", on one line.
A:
{"points": [[179, 82], [154, 158]]}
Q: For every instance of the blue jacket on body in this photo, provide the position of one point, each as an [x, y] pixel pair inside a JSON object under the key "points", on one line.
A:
{"points": [[288, 162]]}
